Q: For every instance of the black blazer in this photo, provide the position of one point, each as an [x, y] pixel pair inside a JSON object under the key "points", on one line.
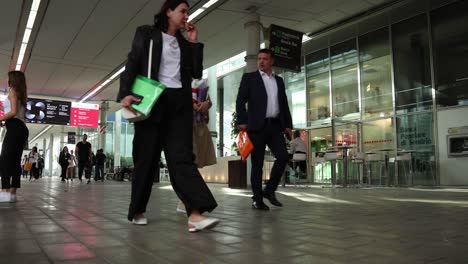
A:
{"points": [[253, 92], [137, 64]]}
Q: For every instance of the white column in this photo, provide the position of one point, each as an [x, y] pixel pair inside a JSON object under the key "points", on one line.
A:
{"points": [[117, 132], [62, 137], [51, 155], [252, 27], [213, 93], [102, 124]]}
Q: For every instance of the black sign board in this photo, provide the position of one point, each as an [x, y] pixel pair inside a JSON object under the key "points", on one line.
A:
{"points": [[42, 111], [71, 138], [286, 45]]}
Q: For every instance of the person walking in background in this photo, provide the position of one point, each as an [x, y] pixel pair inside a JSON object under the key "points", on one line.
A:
{"points": [[23, 162], [100, 161], [64, 158], [71, 166], [265, 121], [83, 152], [33, 158], [40, 165], [169, 127], [16, 135], [299, 150], [203, 149]]}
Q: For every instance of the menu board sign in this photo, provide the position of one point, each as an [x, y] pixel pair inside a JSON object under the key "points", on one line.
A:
{"points": [[84, 115], [286, 45], [42, 111]]}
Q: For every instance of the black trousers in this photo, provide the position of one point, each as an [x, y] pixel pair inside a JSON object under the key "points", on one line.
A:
{"points": [[270, 135], [12, 149], [83, 165], [173, 134], [63, 173]]}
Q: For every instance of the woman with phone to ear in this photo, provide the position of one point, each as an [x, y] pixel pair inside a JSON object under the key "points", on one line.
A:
{"points": [[16, 136], [175, 61]]}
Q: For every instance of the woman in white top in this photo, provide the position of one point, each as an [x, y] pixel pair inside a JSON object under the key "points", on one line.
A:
{"points": [[33, 159], [299, 150], [71, 165], [176, 59], [16, 136]]}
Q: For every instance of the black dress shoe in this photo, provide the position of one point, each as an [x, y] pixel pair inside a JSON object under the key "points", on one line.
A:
{"points": [[260, 206], [272, 198]]}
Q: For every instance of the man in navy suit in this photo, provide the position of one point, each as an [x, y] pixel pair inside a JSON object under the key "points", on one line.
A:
{"points": [[265, 119]]}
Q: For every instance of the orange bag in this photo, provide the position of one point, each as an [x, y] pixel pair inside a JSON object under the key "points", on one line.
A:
{"points": [[244, 144]]}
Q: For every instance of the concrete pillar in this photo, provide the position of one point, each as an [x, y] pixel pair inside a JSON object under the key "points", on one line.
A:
{"points": [[103, 124], [51, 155], [62, 137], [253, 28], [117, 132]]}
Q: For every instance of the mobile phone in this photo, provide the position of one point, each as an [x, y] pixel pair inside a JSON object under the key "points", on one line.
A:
{"points": [[139, 97]]}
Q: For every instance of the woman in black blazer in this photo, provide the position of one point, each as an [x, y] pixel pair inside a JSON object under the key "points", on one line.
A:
{"points": [[176, 60]]}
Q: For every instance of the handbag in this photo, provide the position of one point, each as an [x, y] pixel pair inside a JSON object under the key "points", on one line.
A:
{"points": [[244, 144], [27, 166], [147, 90]]}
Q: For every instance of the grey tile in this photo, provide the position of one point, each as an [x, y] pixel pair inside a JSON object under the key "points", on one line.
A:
{"points": [[68, 251]]}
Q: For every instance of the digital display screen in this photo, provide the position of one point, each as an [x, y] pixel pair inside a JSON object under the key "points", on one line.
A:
{"points": [[84, 115], [42, 111]]}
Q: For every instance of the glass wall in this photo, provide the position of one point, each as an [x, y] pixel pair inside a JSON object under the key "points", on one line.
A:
{"points": [[296, 93], [413, 89], [450, 40], [318, 87], [231, 84], [375, 68], [415, 138], [344, 80]]}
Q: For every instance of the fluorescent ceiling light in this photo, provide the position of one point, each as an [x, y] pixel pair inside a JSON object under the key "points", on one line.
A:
{"points": [[305, 38], [41, 133], [27, 33], [103, 84], [196, 13], [210, 3]]}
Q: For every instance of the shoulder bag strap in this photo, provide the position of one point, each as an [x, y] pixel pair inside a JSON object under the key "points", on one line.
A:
{"points": [[150, 58]]}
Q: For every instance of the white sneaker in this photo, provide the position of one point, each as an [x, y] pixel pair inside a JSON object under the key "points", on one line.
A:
{"points": [[204, 224], [5, 197], [140, 221]]}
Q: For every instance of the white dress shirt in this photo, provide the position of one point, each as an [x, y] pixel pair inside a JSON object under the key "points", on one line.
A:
{"points": [[169, 69], [271, 87]]}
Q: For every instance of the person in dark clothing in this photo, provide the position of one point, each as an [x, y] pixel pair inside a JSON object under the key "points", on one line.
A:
{"points": [[16, 136], [175, 61], [40, 165], [100, 161], [83, 153], [266, 119], [64, 158]]}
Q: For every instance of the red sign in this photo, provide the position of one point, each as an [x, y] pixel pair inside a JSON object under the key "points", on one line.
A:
{"points": [[84, 115], [2, 99]]}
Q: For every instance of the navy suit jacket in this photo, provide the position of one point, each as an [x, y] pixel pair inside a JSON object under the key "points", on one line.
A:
{"points": [[253, 92]]}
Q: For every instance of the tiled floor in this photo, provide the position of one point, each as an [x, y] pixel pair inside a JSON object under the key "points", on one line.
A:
{"points": [[56, 222]]}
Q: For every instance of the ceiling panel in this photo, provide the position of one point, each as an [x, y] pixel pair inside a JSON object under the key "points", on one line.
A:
{"points": [[11, 11], [352, 7], [37, 75], [110, 93], [76, 12], [101, 27], [60, 81], [82, 83]]}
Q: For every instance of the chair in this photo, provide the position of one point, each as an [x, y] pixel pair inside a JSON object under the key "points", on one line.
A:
{"points": [[319, 161], [374, 159], [358, 160], [332, 157], [297, 157], [405, 159]]}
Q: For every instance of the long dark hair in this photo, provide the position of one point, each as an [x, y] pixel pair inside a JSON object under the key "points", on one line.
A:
{"points": [[17, 81], [161, 19]]}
